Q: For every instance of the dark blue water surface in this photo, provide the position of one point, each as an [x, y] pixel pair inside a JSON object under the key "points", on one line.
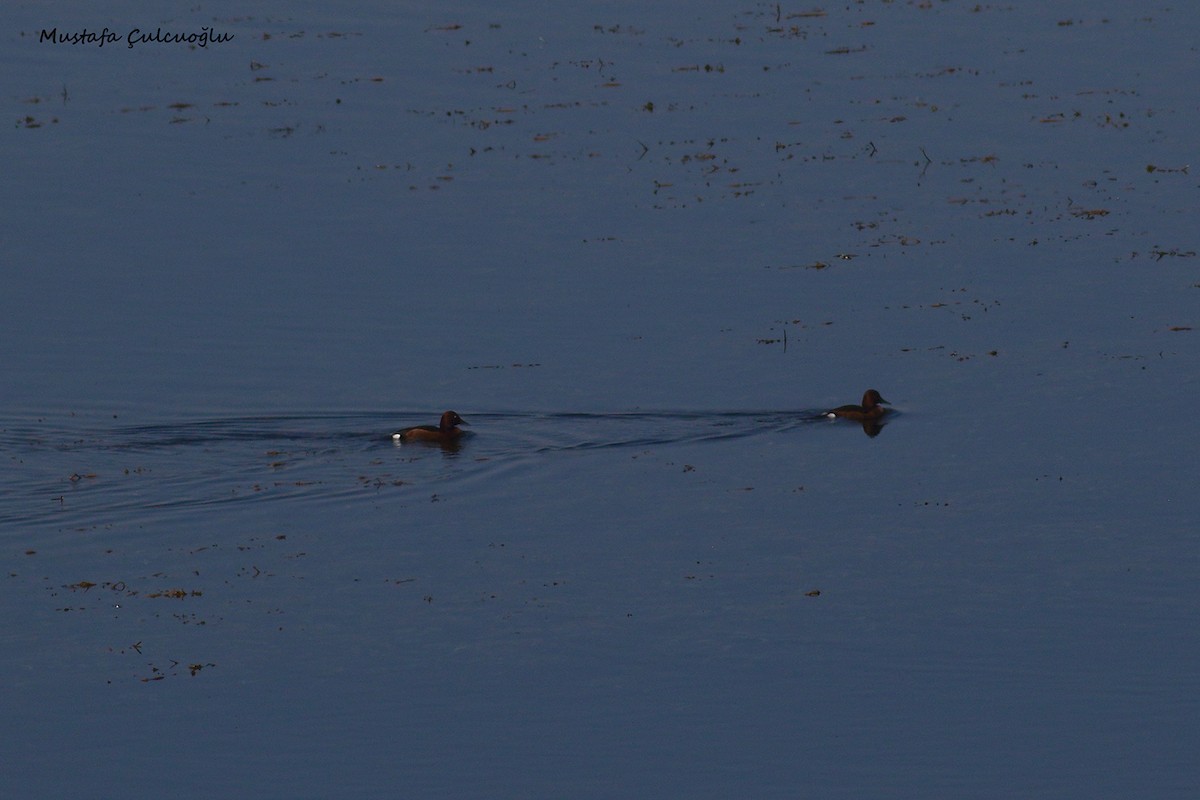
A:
{"points": [[638, 247]]}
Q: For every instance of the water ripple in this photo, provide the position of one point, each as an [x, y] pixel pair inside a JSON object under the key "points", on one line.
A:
{"points": [[79, 477]]}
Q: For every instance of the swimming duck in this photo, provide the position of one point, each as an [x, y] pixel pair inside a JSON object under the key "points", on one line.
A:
{"points": [[445, 431], [870, 408]]}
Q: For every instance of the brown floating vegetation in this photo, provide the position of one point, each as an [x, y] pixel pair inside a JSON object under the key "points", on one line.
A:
{"points": [[33, 122], [176, 594]]}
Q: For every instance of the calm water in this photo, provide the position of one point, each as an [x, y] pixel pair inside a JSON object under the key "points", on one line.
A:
{"points": [[637, 248]]}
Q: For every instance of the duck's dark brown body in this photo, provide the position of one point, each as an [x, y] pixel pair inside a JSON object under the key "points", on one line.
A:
{"points": [[445, 431], [871, 408]]}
